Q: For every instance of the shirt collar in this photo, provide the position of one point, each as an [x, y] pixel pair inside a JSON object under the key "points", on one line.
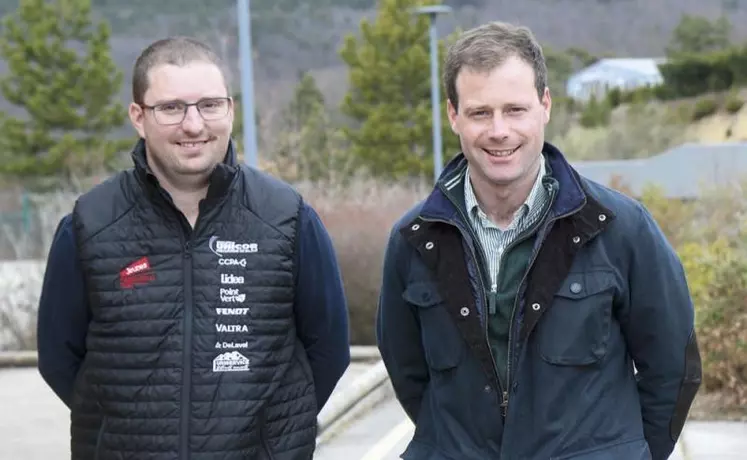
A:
{"points": [[473, 207]]}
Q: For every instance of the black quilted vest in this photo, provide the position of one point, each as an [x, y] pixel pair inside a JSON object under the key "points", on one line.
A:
{"points": [[192, 349]]}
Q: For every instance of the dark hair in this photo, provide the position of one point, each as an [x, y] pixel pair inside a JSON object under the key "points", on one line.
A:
{"points": [[178, 51]]}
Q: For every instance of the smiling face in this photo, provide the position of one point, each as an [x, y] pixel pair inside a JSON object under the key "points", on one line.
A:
{"points": [[500, 121], [195, 145]]}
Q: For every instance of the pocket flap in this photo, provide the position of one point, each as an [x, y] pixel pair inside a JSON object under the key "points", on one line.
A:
{"points": [[423, 294], [580, 285]]}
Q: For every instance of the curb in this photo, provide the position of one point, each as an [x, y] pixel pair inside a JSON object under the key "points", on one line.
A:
{"points": [[360, 353], [352, 395], [18, 359]]}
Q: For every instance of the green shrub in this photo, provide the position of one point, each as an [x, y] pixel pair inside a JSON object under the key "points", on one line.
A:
{"points": [[595, 113], [704, 107], [733, 104]]}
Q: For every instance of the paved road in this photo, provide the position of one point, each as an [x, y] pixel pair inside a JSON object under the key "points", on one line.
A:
{"points": [[34, 426], [383, 434], [34, 423]]}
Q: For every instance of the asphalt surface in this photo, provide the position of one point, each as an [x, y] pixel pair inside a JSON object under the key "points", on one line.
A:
{"points": [[384, 432], [34, 425]]}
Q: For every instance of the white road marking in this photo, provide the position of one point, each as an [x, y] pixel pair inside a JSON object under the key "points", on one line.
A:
{"points": [[388, 442]]}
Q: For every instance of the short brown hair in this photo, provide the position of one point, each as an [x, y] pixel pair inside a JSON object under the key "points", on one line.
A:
{"points": [[177, 51], [485, 47]]}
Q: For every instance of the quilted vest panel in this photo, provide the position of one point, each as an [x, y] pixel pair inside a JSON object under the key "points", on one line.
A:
{"points": [[192, 349]]}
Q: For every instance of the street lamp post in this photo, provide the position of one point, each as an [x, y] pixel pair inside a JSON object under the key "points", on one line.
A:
{"points": [[247, 82], [432, 11]]}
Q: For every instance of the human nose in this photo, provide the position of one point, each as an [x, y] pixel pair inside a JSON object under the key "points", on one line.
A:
{"points": [[193, 122], [499, 128]]}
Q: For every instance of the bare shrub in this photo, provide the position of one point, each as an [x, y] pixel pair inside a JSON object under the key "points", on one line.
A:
{"points": [[359, 217], [21, 276], [20, 285]]}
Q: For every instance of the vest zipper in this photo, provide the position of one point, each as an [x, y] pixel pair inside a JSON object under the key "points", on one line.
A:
{"points": [[186, 352]]}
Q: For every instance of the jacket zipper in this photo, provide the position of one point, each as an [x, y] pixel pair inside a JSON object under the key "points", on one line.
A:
{"points": [[186, 351], [522, 237], [480, 262], [186, 236], [542, 235]]}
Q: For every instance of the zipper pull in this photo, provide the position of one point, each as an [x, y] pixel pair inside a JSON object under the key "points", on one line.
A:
{"points": [[492, 299], [504, 404]]}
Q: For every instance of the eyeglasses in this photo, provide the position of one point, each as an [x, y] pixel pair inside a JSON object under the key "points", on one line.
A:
{"points": [[174, 112]]}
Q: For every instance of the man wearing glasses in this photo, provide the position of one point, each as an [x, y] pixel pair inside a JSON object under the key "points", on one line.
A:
{"points": [[192, 307]]}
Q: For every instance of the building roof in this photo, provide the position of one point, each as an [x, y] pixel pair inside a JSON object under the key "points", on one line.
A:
{"points": [[621, 66], [681, 172]]}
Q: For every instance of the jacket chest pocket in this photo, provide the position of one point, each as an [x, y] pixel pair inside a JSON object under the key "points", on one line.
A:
{"points": [[442, 343], [575, 330]]}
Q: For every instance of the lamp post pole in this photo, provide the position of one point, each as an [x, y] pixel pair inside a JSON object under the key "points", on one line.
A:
{"points": [[432, 11], [247, 82]]}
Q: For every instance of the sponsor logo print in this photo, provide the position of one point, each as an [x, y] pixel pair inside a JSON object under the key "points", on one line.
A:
{"points": [[231, 328], [230, 295], [138, 272], [232, 311], [231, 361], [232, 262], [220, 247], [231, 279], [231, 345]]}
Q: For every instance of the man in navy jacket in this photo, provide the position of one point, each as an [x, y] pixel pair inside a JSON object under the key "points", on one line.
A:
{"points": [[519, 298]]}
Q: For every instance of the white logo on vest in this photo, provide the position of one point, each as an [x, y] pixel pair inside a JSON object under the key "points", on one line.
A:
{"points": [[232, 361], [220, 248]]}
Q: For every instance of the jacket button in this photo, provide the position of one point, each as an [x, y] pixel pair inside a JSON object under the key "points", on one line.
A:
{"points": [[536, 306], [576, 288], [464, 311], [486, 389], [576, 239], [602, 217], [415, 227], [429, 245]]}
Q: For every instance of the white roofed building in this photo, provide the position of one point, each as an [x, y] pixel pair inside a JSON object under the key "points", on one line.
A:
{"points": [[623, 73]]}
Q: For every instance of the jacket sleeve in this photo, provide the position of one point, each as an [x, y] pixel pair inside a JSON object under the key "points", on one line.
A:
{"points": [[320, 307], [398, 332], [659, 329], [63, 316]]}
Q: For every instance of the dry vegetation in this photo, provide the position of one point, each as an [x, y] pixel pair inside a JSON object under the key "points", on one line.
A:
{"points": [[644, 129]]}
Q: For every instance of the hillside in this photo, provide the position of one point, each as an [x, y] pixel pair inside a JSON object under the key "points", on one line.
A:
{"points": [[647, 129], [291, 36]]}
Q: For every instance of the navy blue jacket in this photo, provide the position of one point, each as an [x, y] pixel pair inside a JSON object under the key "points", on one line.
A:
{"points": [[605, 295], [321, 312]]}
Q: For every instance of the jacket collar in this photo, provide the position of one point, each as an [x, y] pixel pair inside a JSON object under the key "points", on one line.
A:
{"points": [[220, 179], [570, 198]]}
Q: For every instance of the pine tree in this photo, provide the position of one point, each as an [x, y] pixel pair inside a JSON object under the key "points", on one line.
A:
{"points": [[62, 76], [305, 138], [389, 96]]}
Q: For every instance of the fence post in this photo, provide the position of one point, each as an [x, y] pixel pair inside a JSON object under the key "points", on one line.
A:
{"points": [[26, 212]]}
